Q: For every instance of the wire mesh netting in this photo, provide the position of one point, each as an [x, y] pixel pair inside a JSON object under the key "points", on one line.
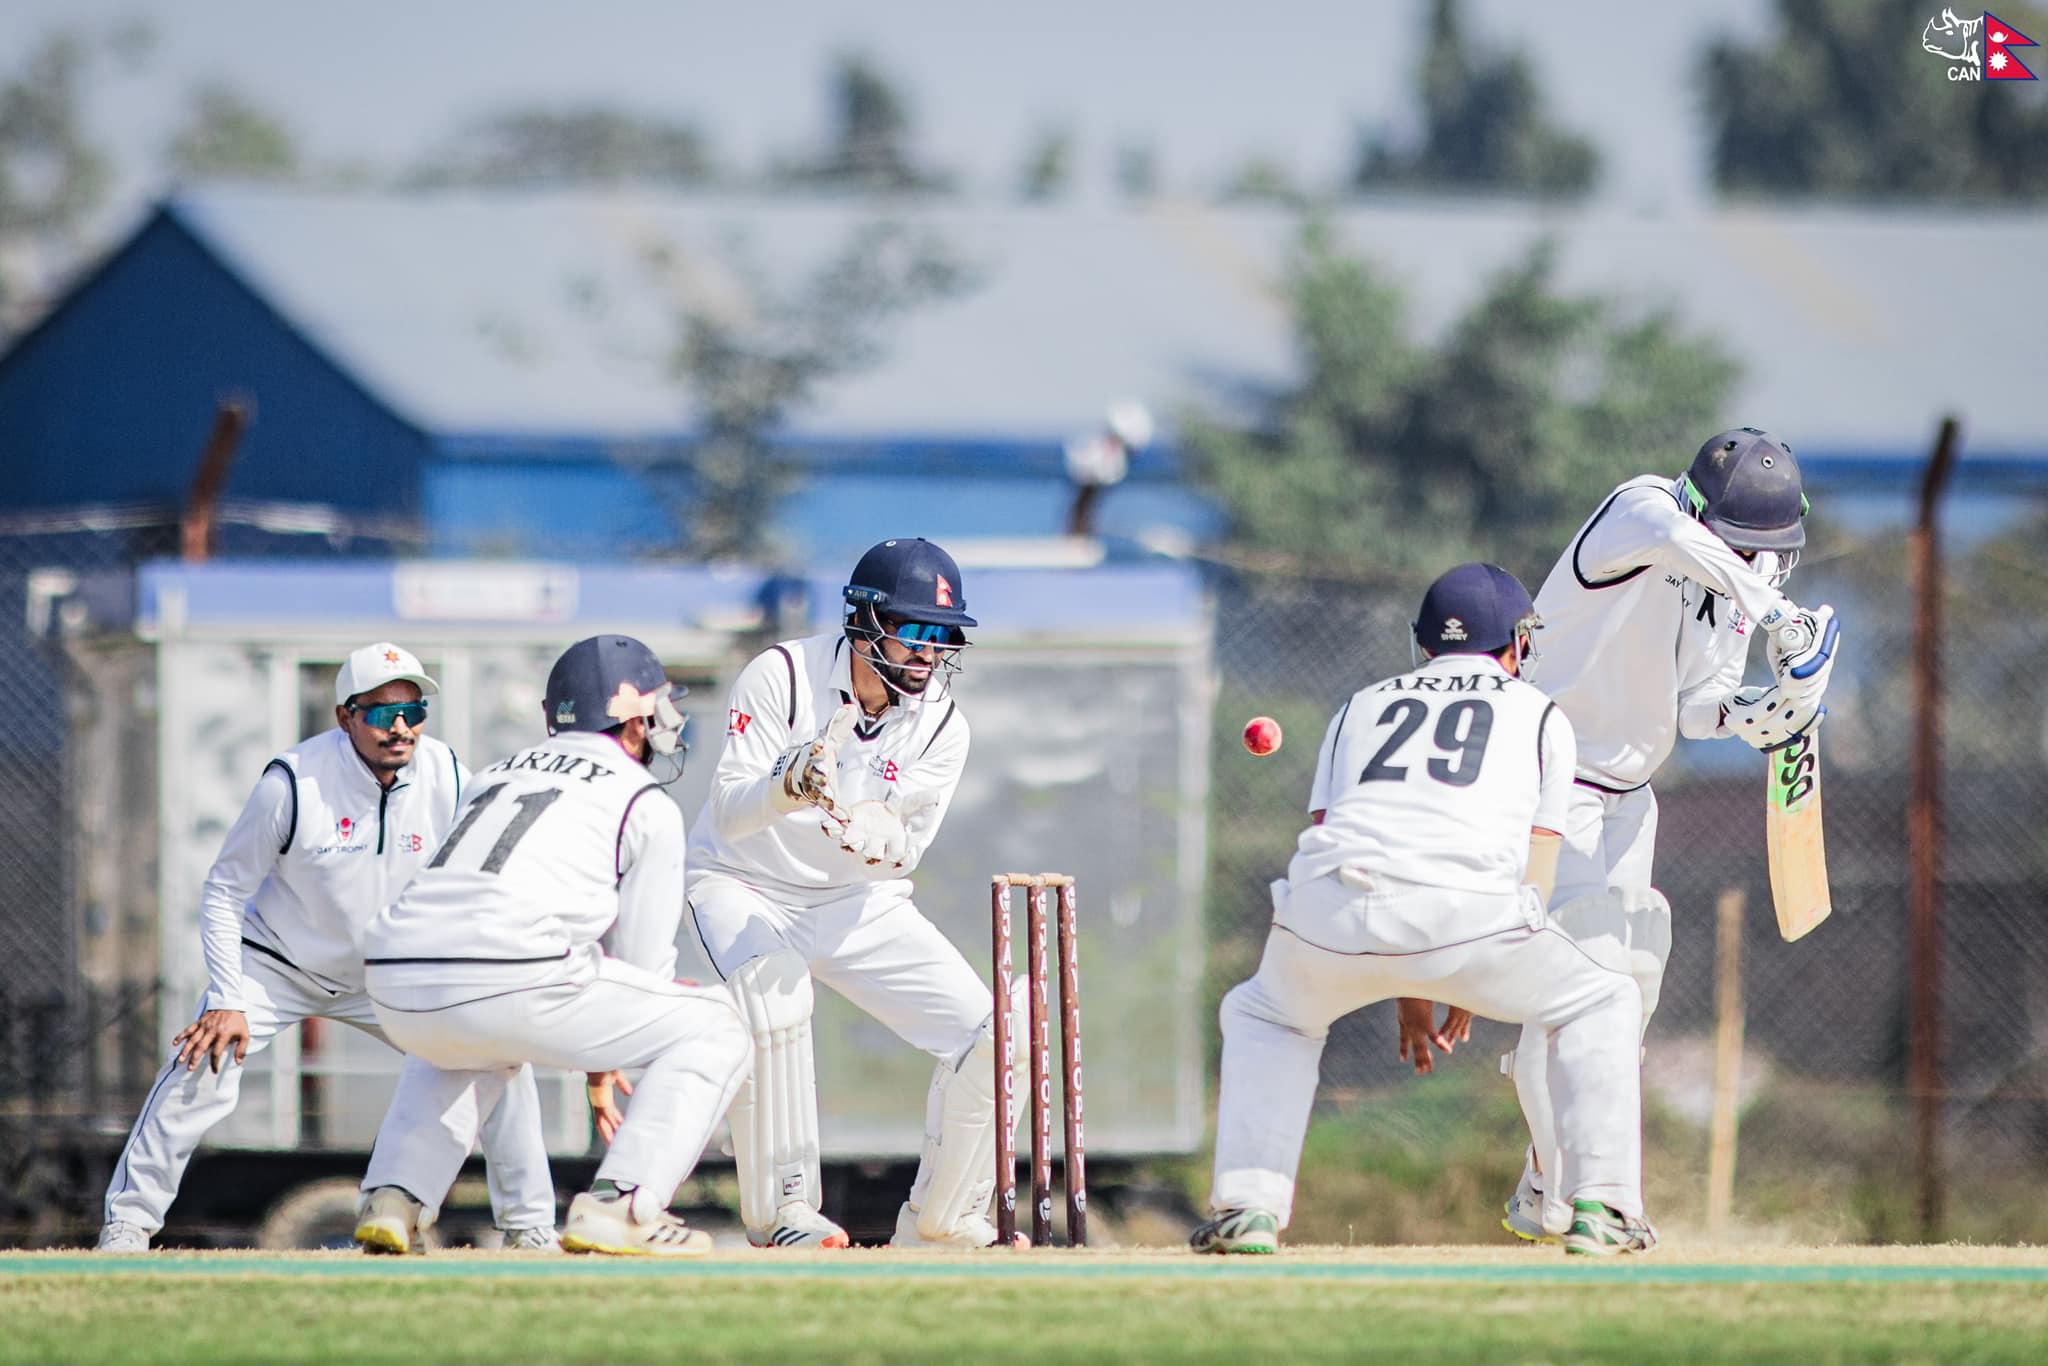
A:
{"points": [[1825, 1140]]}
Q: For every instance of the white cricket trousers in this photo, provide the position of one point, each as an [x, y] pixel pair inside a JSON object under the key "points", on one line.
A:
{"points": [[691, 1041], [183, 1105], [1605, 902], [1494, 956]]}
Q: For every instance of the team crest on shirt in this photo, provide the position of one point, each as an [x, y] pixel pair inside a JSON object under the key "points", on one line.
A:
{"points": [[885, 769], [344, 829]]}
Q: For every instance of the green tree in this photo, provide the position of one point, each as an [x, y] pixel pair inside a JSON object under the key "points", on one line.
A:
{"points": [[1483, 126], [1843, 99], [1489, 444], [1137, 170], [51, 175], [748, 371], [587, 146], [1263, 179], [869, 148], [227, 135]]}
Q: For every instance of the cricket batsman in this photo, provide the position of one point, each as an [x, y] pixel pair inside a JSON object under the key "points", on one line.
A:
{"points": [[1647, 618]]}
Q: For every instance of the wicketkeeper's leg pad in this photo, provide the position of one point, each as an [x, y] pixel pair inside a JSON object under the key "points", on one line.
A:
{"points": [[956, 1176], [775, 1115]]}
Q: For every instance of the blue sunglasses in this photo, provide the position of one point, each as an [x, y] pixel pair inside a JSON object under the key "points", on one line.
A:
{"points": [[387, 714], [922, 633]]}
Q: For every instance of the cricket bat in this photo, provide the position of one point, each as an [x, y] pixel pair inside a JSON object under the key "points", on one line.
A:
{"points": [[1799, 866]]}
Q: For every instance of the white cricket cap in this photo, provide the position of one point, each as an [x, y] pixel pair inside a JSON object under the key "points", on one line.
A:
{"points": [[371, 667]]}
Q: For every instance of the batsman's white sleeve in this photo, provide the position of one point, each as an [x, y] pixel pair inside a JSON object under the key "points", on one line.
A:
{"points": [[246, 857], [1319, 794], [1557, 749], [1699, 701], [650, 886], [1646, 526], [744, 789]]}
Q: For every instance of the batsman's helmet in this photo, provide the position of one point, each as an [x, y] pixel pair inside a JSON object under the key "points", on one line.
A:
{"points": [[910, 579], [1475, 609], [1744, 487], [604, 682]]}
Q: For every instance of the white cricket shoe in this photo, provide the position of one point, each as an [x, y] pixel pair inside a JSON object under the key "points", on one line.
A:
{"points": [[599, 1224], [388, 1220], [1600, 1230], [541, 1238], [972, 1232], [121, 1236], [798, 1225], [1523, 1215]]}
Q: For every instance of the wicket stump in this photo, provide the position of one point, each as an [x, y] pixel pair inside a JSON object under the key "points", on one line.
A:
{"points": [[1038, 946]]}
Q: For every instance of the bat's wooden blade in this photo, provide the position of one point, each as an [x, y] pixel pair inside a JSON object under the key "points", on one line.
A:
{"points": [[1799, 866]]}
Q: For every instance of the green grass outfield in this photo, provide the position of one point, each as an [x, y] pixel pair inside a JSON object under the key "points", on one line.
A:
{"points": [[1314, 1304]]}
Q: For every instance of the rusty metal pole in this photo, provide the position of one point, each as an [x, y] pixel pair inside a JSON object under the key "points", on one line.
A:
{"points": [[1924, 1081], [210, 479]]}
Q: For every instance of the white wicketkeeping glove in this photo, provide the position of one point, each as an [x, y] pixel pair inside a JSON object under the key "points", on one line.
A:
{"points": [[1802, 652], [807, 768], [1768, 718], [917, 809], [873, 831]]}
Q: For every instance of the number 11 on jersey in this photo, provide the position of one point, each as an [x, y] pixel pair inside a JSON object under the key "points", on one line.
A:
{"points": [[1792, 836]]}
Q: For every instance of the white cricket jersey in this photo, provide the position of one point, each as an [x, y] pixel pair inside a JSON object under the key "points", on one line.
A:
{"points": [[1437, 776], [320, 847], [1646, 627], [565, 847], [786, 694]]}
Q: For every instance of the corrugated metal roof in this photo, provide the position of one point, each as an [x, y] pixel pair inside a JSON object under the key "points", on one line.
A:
{"points": [[553, 314]]}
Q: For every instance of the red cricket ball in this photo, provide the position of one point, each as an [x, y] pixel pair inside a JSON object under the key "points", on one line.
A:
{"points": [[1262, 735]]}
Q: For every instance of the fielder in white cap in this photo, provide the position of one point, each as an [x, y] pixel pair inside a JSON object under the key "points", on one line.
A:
{"points": [[336, 827]]}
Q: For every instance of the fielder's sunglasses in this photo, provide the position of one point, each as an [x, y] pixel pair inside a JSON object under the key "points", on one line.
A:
{"points": [[387, 714]]}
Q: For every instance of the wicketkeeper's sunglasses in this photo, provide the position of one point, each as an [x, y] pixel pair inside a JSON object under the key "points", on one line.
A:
{"points": [[915, 633], [387, 714]]}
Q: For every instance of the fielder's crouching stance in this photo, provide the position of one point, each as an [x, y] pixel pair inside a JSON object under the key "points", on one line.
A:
{"points": [[1438, 801], [1646, 631], [842, 752], [333, 830], [544, 931]]}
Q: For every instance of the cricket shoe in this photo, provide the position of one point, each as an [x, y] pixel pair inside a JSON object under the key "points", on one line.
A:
{"points": [[540, 1238], [605, 1224], [1600, 1230], [798, 1225], [388, 1220], [121, 1236], [1255, 1231], [1523, 1214], [972, 1232]]}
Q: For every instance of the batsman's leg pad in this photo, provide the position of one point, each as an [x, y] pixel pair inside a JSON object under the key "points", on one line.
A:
{"points": [[775, 1115]]}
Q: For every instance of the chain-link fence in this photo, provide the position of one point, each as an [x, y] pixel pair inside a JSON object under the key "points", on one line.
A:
{"points": [[1825, 1143]]}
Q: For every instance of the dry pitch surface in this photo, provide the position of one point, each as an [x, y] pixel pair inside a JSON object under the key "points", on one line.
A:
{"points": [[1690, 1302]]}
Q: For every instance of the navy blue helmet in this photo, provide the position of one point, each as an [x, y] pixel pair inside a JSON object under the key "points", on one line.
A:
{"points": [[1744, 486], [604, 682], [913, 580], [1475, 609]]}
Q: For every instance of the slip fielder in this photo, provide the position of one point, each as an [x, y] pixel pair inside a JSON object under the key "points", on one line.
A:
{"points": [[336, 826]]}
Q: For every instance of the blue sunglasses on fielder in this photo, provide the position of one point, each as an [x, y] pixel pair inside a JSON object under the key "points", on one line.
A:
{"points": [[386, 715]]}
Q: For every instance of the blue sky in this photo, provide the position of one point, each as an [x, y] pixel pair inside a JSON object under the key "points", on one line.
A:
{"points": [[1208, 85]]}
